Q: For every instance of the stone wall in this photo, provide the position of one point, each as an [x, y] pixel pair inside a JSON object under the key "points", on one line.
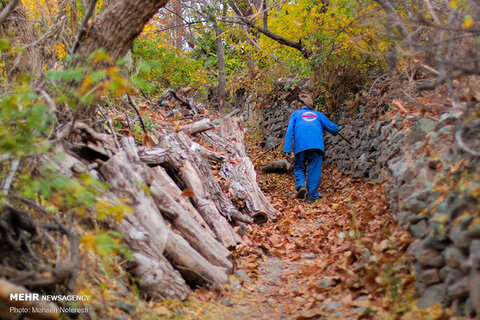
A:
{"points": [[432, 180]]}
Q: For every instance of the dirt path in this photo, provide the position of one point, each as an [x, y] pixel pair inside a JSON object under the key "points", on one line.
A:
{"points": [[340, 258]]}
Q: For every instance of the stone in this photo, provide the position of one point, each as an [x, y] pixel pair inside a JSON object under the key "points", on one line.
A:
{"points": [[332, 306], [429, 276], [414, 247], [430, 258], [474, 246], [458, 289], [461, 238], [435, 242], [475, 291], [444, 272], [475, 231], [453, 275], [415, 205], [127, 307], [420, 229], [469, 309], [226, 302], [453, 257], [419, 130], [326, 282], [241, 274], [433, 294]]}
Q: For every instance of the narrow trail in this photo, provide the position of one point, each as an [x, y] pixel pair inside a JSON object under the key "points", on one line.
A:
{"points": [[342, 257], [325, 260]]}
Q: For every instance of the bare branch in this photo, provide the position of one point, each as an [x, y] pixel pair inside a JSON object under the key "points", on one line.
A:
{"points": [[83, 26]]}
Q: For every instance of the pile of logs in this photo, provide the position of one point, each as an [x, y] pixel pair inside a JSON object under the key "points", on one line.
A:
{"points": [[188, 194]]}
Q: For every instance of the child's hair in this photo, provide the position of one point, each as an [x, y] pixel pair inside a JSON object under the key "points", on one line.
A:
{"points": [[305, 98]]}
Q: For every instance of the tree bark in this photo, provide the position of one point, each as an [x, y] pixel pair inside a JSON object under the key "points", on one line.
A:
{"points": [[144, 230], [222, 73], [187, 220], [238, 171], [115, 29], [179, 29], [16, 23], [278, 166]]}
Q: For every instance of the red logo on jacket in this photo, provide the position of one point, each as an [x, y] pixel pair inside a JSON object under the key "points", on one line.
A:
{"points": [[309, 116]]}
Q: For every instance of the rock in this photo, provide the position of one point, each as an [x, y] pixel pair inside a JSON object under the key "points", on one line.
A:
{"points": [[437, 242], [226, 302], [414, 247], [433, 294], [338, 314], [430, 258], [444, 272], [474, 246], [453, 257], [326, 282], [127, 307], [332, 306], [241, 274], [453, 275], [475, 231], [459, 289], [469, 309], [419, 230], [461, 238], [429, 276], [415, 205], [475, 291]]}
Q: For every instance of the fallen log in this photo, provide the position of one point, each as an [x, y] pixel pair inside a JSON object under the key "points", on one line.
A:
{"points": [[193, 267], [277, 166], [144, 231], [238, 171], [197, 127], [193, 172], [198, 234]]}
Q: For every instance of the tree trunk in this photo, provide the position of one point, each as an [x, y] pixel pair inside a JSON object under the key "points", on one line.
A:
{"points": [[144, 230], [179, 29], [193, 172], [16, 23], [222, 73], [239, 173], [278, 166], [115, 29], [190, 224]]}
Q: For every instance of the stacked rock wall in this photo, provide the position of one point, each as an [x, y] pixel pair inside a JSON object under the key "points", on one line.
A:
{"points": [[432, 180]]}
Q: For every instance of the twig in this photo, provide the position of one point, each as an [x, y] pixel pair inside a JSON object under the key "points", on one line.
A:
{"points": [[463, 146], [9, 179], [174, 94], [6, 11], [130, 101], [83, 26], [111, 128], [341, 136], [266, 151]]}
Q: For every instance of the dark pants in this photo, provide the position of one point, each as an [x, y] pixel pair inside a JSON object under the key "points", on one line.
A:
{"points": [[308, 164]]}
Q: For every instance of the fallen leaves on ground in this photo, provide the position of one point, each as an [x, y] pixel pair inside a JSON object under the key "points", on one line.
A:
{"points": [[342, 257]]}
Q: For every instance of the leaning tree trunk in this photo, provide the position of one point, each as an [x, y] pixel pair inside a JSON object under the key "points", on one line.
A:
{"points": [[114, 31], [16, 23]]}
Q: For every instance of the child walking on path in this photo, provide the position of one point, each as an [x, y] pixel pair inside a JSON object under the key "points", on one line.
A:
{"points": [[305, 132]]}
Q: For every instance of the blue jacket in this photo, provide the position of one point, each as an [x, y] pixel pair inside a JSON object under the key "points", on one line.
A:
{"points": [[307, 126]]}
